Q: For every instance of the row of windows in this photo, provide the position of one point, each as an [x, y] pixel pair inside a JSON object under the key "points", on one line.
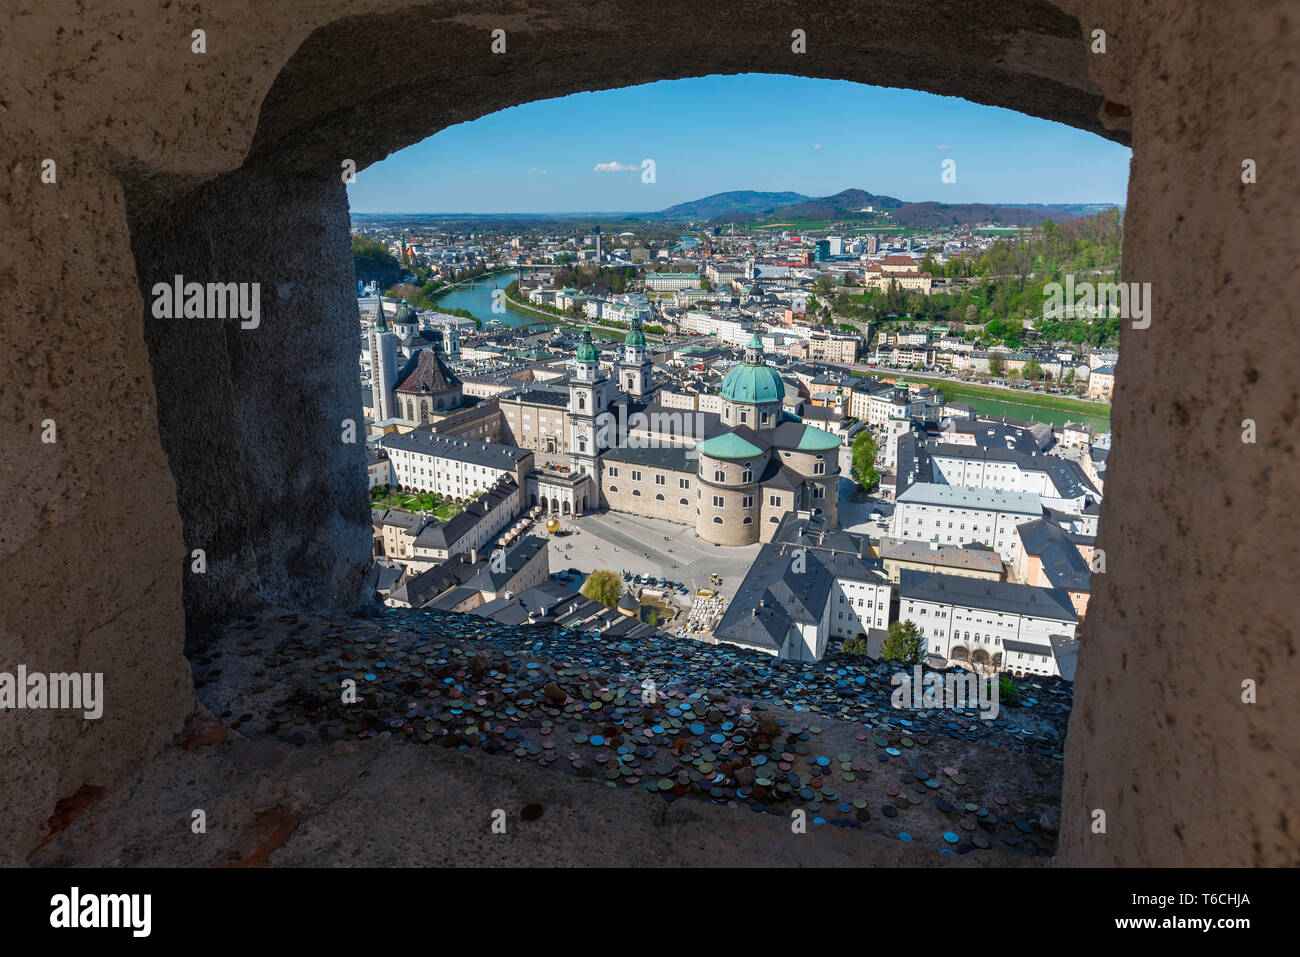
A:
{"points": [[682, 483], [636, 492]]}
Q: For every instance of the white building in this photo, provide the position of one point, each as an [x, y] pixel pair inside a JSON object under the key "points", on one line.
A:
{"points": [[1059, 483], [454, 467], [958, 515], [988, 625]]}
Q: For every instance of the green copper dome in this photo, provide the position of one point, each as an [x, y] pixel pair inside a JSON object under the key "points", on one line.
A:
{"points": [[753, 382], [635, 337], [587, 351]]}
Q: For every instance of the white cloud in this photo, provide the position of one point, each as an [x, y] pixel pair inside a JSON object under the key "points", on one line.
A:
{"points": [[539, 172], [613, 166], [943, 147], [817, 146]]}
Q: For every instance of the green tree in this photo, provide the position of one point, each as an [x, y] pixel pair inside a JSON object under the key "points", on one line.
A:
{"points": [[1032, 370], [854, 646], [603, 586], [996, 365], [903, 643], [864, 460]]}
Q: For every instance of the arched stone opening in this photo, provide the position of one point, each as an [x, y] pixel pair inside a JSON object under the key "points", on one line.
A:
{"points": [[254, 466]]}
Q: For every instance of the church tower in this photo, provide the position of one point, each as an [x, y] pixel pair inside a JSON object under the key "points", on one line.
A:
{"points": [[587, 406], [635, 372], [383, 369], [451, 341]]}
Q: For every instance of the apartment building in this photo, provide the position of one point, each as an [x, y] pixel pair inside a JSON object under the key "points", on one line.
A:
{"points": [[959, 515], [451, 466], [996, 626]]}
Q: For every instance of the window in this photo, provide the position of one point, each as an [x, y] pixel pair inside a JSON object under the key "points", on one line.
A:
{"points": [[636, 492], [718, 501], [636, 475], [747, 502], [717, 519], [747, 521], [747, 476], [613, 488], [582, 402], [774, 500], [613, 473], [719, 476], [660, 480], [683, 502], [684, 483], [744, 416]]}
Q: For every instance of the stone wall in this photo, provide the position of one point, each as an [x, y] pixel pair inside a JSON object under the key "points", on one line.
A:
{"points": [[226, 165]]}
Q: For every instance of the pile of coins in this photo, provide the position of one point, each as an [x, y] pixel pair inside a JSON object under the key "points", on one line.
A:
{"points": [[725, 725]]}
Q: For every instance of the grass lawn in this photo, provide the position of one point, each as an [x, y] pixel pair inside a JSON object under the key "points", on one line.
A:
{"points": [[407, 502], [1015, 396]]}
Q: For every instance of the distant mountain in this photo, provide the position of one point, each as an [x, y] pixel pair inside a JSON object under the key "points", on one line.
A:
{"points": [[739, 203], [848, 205], [843, 205]]}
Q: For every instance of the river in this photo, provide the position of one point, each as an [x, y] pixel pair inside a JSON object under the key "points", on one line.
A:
{"points": [[476, 299]]}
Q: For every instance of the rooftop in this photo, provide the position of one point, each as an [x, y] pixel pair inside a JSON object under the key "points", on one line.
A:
{"points": [[1005, 597], [963, 496]]}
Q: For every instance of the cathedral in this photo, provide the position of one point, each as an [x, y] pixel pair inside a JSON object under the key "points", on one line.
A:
{"points": [[731, 475]]}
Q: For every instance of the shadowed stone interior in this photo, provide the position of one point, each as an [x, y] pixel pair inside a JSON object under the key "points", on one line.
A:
{"points": [[225, 167]]}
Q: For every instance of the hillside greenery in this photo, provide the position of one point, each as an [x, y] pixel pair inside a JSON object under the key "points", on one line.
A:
{"points": [[1002, 287]]}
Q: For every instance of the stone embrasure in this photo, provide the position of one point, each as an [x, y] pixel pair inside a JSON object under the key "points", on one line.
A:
{"points": [[729, 727]]}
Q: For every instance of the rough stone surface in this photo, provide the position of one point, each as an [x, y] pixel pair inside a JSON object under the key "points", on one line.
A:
{"points": [[253, 420], [1198, 527], [374, 804]]}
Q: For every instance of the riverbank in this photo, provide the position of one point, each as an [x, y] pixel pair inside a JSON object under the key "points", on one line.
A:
{"points": [[1061, 403], [531, 310]]}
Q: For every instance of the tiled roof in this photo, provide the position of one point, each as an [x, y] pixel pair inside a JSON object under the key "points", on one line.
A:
{"points": [[1004, 597], [427, 374]]}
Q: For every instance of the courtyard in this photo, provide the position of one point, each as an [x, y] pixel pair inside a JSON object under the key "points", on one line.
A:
{"points": [[649, 547]]}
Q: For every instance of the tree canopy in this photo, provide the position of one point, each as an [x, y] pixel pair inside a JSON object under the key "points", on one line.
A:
{"points": [[864, 460], [603, 586], [903, 643]]}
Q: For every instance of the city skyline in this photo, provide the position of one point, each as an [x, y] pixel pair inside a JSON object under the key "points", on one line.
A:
{"points": [[583, 153]]}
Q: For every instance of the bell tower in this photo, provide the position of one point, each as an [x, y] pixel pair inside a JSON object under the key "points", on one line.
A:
{"points": [[587, 404], [634, 370]]}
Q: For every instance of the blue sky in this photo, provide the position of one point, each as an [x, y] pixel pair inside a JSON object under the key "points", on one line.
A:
{"points": [[718, 133]]}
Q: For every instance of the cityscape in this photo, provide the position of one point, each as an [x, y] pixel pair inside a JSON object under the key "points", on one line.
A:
{"points": [[735, 393]]}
